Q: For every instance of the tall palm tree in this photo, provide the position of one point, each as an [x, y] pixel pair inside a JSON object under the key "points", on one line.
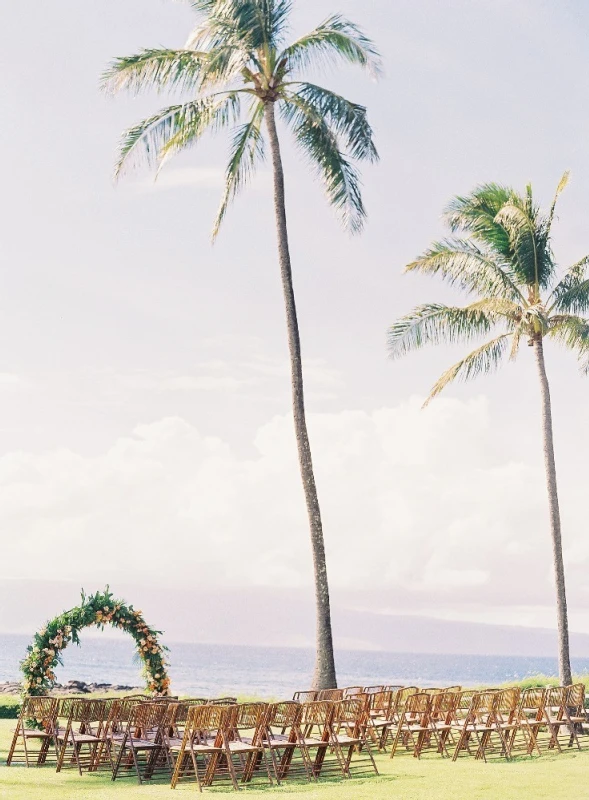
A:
{"points": [[506, 263], [237, 60]]}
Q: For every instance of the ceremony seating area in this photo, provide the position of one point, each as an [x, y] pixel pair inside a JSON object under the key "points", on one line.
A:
{"points": [[334, 732]]}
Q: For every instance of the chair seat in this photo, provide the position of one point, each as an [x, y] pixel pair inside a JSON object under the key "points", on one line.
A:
{"points": [[242, 747], [347, 739], [85, 737], [33, 733], [308, 742], [198, 748], [143, 744]]}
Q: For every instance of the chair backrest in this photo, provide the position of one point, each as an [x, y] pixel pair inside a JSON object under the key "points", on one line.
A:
{"points": [[418, 704], [555, 697], [351, 711], [507, 702], [317, 712], [195, 701], [380, 702], [222, 701], [352, 691], [401, 696], [465, 699], [533, 699], [330, 694], [444, 704], [209, 722], [376, 689], [73, 709], [431, 690], [576, 697], [248, 716], [41, 711], [146, 717], [284, 715], [483, 704], [306, 696]]}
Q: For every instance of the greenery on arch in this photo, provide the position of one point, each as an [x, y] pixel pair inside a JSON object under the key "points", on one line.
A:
{"points": [[99, 610]]}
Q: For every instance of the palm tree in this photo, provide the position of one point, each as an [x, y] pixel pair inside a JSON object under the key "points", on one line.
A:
{"points": [[506, 263], [236, 60]]}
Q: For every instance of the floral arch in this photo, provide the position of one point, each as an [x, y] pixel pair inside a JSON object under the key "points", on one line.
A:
{"points": [[100, 610]]}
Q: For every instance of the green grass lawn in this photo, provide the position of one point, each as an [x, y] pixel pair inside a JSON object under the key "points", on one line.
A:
{"points": [[431, 778]]}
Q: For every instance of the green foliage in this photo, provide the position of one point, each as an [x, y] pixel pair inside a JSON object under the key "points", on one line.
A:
{"points": [[506, 262], [9, 711], [237, 52], [99, 610]]}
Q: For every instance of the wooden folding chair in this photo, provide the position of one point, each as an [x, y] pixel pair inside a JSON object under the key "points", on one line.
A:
{"points": [[531, 714], [413, 727], [443, 718], [380, 716], [509, 721], [34, 732], [282, 740], [141, 747], [80, 738], [315, 733], [244, 742], [202, 747], [349, 737], [478, 724], [556, 715], [577, 714], [117, 713]]}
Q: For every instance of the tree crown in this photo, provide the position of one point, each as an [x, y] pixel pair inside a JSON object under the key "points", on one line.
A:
{"points": [[500, 254], [237, 56]]}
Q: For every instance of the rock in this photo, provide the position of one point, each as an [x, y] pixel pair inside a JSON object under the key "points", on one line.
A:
{"points": [[74, 687]]}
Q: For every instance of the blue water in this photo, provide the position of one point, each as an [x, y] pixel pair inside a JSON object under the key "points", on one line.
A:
{"points": [[209, 669]]}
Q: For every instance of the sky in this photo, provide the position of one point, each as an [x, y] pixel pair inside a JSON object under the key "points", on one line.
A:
{"points": [[145, 430]]}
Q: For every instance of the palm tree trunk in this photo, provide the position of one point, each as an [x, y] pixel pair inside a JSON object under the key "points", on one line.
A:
{"points": [[324, 677], [564, 659]]}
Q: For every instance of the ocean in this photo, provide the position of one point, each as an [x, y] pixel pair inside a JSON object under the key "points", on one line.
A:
{"points": [[214, 669]]}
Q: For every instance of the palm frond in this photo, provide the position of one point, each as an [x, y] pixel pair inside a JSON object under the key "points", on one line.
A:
{"points": [[517, 334], [572, 292], [562, 184], [155, 69], [246, 151], [434, 323], [171, 128], [348, 120], [319, 143], [528, 242], [572, 332], [334, 39], [481, 361], [258, 24], [464, 264]]}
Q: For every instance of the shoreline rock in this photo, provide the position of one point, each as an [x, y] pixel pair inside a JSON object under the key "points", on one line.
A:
{"points": [[73, 687]]}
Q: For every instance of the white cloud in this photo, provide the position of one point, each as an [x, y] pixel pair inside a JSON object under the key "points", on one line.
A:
{"points": [[422, 506]]}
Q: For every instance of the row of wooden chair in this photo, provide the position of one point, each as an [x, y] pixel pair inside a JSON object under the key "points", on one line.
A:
{"points": [[205, 740], [498, 720], [196, 740], [47, 724]]}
